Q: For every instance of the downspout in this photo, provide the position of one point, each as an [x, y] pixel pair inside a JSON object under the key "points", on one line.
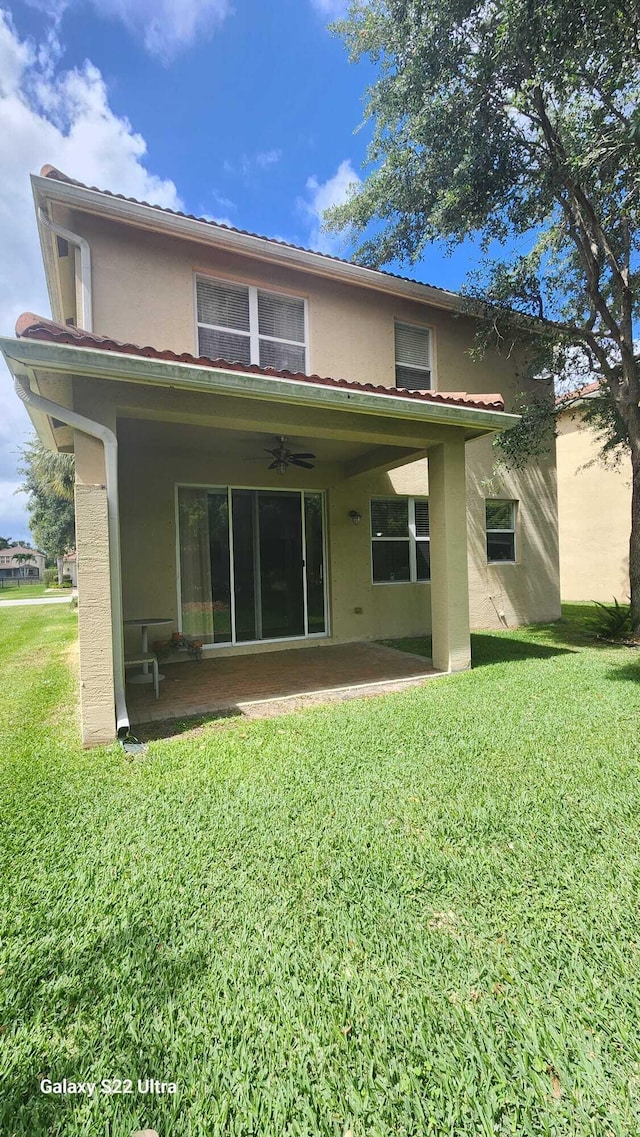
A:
{"points": [[110, 443], [85, 320]]}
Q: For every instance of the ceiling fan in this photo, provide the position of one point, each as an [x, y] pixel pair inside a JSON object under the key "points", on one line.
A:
{"points": [[283, 457]]}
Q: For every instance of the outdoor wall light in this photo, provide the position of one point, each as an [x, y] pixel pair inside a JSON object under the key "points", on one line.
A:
{"points": [[355, 516]]}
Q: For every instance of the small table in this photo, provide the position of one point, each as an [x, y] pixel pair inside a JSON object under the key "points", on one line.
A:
{"points": [[145, 675]]}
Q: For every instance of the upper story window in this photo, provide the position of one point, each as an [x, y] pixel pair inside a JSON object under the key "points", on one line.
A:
{"points": [[501, 531], [413, 357], [245, 324]]}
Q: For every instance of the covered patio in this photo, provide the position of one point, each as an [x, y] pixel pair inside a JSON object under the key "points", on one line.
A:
{"points": [[276, 682], [182, 516]]}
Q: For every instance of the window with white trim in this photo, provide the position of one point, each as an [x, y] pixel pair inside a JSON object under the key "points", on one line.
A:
{"points": [[244, 324], [413, 357], [500, 519], [400, 550]]}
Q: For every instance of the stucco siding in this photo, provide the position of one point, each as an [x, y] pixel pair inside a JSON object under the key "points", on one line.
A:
{"points": [[594, 509], [149, 551], [143, 292], [527, 591], [94, 616], [500, 596]]}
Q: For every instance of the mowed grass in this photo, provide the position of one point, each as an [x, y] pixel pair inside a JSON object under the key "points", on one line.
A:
{"points": [[405, 915], [9, 591]]}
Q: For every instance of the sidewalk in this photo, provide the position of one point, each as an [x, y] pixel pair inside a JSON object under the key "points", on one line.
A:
{"points": [[35, 600]]}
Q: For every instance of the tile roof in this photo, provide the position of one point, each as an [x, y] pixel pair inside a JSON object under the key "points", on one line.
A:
{"points": [[14, 550], [57, 175], [578, 393], [29, 326]]}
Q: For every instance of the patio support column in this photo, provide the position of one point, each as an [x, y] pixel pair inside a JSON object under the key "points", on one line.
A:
{"points": [[94, 607], [451, 650]]}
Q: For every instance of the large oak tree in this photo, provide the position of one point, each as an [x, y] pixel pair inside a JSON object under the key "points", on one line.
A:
{"points": [[517, 121]]}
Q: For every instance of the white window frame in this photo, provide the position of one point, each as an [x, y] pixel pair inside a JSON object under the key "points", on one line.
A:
{"points": [[431, 370], [253, 335], [513, 530], [411, 537]]}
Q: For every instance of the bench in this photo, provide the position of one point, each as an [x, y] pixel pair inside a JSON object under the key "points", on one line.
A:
{"points": [[143, 659]]}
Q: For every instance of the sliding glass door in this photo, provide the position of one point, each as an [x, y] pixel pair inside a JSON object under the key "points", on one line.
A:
{"points": [[251, 564]]}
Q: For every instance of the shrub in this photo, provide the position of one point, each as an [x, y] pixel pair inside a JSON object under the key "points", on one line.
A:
{"points": [[50, 577], [611, 621]]}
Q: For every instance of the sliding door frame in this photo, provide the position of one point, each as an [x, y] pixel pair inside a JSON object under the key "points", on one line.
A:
{"points": [[233, 642]]}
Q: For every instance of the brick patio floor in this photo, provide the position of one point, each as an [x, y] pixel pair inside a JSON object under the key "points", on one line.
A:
{"points": [[275, 682]]}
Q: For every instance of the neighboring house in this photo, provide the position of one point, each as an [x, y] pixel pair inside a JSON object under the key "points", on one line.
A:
{"points": [[594, 511], [14, 566], [70, 568], [385, 528]]}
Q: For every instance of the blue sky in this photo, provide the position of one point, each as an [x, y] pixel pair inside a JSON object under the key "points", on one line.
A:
{"points": [[245, 112]]}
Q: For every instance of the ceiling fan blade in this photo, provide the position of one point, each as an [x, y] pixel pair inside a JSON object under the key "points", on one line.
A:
{"points": [[305, 465], [274, 465], [303, 455]]}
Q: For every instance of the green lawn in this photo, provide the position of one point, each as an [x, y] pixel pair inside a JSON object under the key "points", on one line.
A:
{"points": [[407, 915], [28, 591]]}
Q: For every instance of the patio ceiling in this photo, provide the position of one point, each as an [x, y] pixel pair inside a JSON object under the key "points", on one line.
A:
{"points": [[239, 445]]}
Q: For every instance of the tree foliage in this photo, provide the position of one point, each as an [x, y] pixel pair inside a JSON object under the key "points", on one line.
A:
{"points": [[49, 485], [519, 122]]}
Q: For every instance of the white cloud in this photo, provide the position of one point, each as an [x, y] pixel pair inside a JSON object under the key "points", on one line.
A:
{"points": [[63, 118], [246, 165], [332, 9], [266, 158], [165, 27], [13, 515], [323, 195]]}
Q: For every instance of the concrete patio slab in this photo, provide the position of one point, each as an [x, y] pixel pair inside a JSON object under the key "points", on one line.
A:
{"points": [[270, 683]]}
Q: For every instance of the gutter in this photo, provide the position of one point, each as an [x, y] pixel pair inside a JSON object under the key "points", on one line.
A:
{"points": [[85, 320], [110, 443], [97, 363]]}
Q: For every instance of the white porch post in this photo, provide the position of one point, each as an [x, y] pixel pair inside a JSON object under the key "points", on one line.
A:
{"points": [[451, 649]]}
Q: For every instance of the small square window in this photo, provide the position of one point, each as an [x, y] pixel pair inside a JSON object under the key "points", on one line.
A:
{"points": [[501, 531], [413, 357]]}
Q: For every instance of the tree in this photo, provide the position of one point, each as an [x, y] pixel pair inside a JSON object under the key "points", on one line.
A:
{"points": [[49, 485], [24, 558], [5, 542], [519, 122]]}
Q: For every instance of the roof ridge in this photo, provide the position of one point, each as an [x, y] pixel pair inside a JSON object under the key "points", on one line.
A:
{"points": [[31, 326], [52, 172]]}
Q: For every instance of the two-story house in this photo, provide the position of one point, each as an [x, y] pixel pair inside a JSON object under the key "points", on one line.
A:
{"points": [[19, 562], [274, 448]]}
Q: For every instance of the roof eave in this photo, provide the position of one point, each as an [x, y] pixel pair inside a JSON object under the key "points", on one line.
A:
{"points": [[95, 363], [150, 217]]}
